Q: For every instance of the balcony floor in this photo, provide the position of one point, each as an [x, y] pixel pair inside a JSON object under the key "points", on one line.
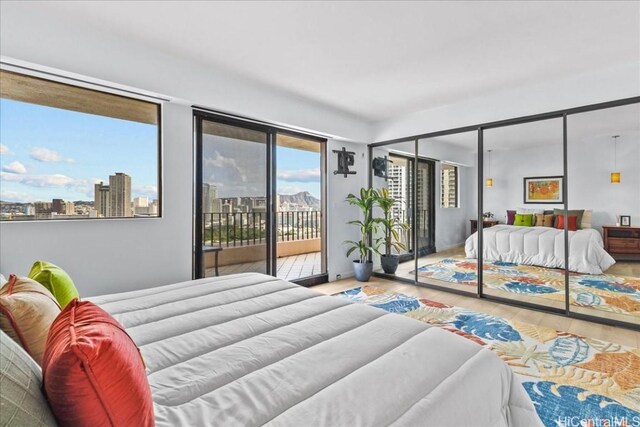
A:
{"points": [[289, 268]]}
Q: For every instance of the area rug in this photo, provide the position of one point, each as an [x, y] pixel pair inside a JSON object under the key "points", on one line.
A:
{"points": [[605, 292], [571, 379]]}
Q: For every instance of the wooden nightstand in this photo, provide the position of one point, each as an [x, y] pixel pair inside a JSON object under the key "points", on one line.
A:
{"points": [[622, 243], [486, 223]]}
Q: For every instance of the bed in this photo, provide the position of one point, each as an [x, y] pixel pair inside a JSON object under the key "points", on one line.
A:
{"points": [[542, 246], [250, 349]]}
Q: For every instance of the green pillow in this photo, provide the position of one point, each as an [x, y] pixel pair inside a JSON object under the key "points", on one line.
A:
{"points": [[524, 220], [56, 280], [575, 212]]}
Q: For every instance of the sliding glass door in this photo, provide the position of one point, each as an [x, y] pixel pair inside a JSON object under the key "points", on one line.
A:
{"points": [[259, 201], [299, 206], [233, 199]]}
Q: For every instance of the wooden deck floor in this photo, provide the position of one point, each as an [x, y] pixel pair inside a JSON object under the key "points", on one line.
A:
{"points": [[289, 268]]}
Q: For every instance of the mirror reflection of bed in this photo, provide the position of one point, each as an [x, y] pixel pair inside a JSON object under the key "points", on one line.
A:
{"points": [[530, 156]]}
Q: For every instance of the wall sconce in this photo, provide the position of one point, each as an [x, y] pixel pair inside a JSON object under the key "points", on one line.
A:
{"points": [[615, 175], [489, 181]]}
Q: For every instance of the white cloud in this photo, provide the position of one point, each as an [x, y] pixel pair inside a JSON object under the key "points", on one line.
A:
{"points": [[42, 154], [55, 180], [150, 191], [301, 175], [4, 150], [225, 167], [290, 189], [17, 197], [15, 167]]}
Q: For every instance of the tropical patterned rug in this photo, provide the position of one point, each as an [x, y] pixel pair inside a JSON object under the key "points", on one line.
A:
{"points": [[571, 379], [604, 292]]}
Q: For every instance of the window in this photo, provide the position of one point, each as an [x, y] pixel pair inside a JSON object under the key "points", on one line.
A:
{"points": [[69, 152], [448, 186]]}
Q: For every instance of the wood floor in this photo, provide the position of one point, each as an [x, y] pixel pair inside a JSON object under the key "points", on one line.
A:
{"points": [[580, 327]]}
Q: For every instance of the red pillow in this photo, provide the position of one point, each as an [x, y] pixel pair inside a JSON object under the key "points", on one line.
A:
{"points": [[573, 223], [93, 372]]}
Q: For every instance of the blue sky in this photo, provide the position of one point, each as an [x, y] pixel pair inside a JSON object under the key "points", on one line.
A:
{"points": [[51, 153], [48, 153]]}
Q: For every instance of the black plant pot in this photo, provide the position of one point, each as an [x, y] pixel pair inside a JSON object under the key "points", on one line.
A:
{"points": [[362, 271], [390, 263]]}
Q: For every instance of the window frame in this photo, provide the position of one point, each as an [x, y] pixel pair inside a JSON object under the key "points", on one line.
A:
{"points": [[126, 94]]}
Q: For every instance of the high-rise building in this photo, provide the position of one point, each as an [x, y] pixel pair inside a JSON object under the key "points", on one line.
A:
{"points": [[397, 185], [102, 200], [120, 195], [210, 201]]}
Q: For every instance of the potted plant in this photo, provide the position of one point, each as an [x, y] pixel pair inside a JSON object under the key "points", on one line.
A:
{"points": [[391, 228], [363, 267]]}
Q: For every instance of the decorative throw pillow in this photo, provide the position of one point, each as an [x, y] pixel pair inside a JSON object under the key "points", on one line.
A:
{"points": [[573, 223], [523, 220], [538, 220], [56, 280], [576, 212], [93, 372], [511, 216], [548, 220], [21, 400], [586, 219], [525, 211], [27, 311]]}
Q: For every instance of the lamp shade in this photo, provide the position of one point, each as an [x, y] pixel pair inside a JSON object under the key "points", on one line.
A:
{"points": [[615, 177], [489, 181]]}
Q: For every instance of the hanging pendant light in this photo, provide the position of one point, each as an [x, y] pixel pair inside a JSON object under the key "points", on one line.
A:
{"points": [[489, 181], [615, 175]]}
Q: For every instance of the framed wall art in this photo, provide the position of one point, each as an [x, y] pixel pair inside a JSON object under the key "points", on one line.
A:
{"points": [[543, 189]]}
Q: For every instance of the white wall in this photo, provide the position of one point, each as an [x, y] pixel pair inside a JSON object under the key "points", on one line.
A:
{"points": [[339, 211], [106, 256], [590, 165]]}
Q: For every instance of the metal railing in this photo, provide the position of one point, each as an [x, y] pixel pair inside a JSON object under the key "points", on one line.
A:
{"points": [[250, 228]]}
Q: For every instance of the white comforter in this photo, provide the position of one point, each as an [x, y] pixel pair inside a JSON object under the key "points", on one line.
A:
{"points": [[543, 246], [249, 349]]}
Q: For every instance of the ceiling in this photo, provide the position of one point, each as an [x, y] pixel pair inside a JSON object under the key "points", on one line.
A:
{"points": [[381, 59]]}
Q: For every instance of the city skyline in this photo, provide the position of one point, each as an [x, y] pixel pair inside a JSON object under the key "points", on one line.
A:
{"points": [[49, 153]]}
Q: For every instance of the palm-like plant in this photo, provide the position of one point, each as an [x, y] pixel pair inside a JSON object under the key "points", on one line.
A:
{"points": [[367, 225], [390, 224]]}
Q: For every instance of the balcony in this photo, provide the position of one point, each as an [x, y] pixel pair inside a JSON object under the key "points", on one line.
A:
{"points": [[242, 237]]}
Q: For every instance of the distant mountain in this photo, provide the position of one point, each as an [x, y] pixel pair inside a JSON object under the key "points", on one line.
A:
{"points": [[304, 198]]}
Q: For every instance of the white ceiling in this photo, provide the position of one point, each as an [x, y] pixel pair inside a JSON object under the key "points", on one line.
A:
{"points": [[381, 59]]}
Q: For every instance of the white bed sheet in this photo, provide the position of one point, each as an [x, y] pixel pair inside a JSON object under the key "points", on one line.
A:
{"points": [[250, 349], [543, 246]]}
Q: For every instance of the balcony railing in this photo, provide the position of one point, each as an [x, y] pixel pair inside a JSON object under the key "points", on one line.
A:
{"points": [[250, 228]]}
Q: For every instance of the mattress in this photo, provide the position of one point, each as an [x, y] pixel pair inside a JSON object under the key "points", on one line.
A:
{"points": [[250, 349], [543, 246]]}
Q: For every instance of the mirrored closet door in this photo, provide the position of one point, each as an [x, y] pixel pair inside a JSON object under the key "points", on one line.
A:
{"points": [[604, 194]]}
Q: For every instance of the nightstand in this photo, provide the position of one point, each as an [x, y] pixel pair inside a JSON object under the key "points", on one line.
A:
{"points": [[486, 223], [622, 243]]}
